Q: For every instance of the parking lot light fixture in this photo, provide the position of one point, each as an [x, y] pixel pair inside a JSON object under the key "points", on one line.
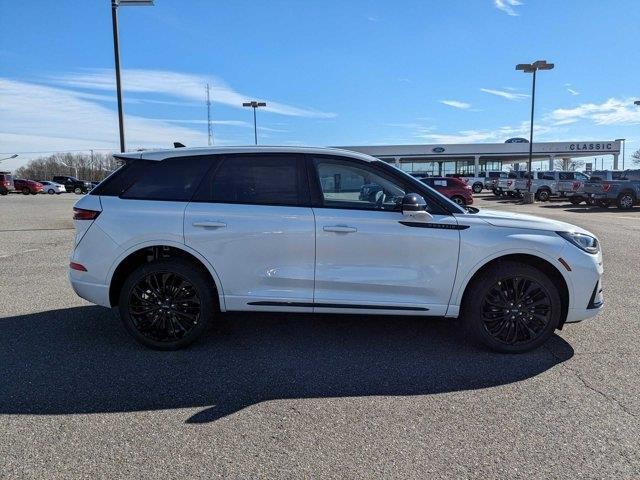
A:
{"points": [[532, 68], [637, 102], [9, 158], [255, 105], [116, 52]]}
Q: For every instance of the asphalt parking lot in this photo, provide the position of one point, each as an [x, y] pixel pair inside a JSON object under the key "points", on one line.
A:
{"points": [[296, 396]]}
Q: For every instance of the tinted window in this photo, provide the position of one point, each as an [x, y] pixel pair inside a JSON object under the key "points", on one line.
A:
{"points": [[261, 179], [171, 179], [566, 176], [121, 179]]}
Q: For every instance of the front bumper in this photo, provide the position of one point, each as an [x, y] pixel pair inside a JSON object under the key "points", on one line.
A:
{"points": [[587, 298]]}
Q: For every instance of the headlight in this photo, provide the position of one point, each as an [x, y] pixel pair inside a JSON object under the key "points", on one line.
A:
{"points": [[581, 240]]}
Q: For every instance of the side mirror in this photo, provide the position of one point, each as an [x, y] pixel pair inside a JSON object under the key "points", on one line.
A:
{"points": [[414, 208]]}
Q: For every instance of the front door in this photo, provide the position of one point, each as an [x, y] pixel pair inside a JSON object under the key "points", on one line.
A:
{"points": [[366, 258], [251, 220]]}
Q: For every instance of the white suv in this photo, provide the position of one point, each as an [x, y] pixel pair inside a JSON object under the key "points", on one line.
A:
{"points": [[174, 237]]}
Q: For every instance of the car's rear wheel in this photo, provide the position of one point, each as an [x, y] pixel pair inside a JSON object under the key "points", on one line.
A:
{"points": [[543, 195], [477, 188], [25, 191], [576, 199], [459, 200], [51, 191], [512, 307], [77, 190], [167, 304], [625, 201]]}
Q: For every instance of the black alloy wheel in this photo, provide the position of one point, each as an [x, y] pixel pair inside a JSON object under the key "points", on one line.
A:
{"points": [[512, 307], [166, 304], [26, 191], [516, 310]]}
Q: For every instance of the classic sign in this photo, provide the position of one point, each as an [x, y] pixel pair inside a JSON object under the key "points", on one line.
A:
{"points": [[590, 146]]}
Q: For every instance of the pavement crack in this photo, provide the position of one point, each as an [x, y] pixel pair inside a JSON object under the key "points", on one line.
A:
{"points": [[586, 384]]}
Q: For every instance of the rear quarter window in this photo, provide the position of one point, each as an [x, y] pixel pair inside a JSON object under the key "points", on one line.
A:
{"points": [[173, 179]]}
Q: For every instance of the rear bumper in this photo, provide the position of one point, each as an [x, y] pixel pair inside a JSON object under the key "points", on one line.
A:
{"points": [[92, 292]]}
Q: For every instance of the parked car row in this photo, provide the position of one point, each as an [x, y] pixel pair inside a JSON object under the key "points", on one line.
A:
{"points": [[59, 184]]}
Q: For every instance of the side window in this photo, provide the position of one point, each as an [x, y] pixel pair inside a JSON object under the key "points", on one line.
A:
{"points": [[580, 176], [173, 179], [349, 184], [566, 176], [259, 179]]}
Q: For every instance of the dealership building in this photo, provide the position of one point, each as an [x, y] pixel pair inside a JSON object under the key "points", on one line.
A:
{"points": [[442, 159]]}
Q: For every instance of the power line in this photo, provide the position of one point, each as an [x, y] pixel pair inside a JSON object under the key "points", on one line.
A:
{"points": [[209, 127]]}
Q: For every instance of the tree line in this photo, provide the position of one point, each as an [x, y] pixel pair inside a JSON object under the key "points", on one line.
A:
{"points": [[84, 166]]}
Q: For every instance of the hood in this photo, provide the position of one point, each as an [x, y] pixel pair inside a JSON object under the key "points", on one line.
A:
{"points": [[503, 219]]}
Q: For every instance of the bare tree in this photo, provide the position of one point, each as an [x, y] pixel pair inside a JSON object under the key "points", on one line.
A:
{"points": [[91, 167], [636, 157]]}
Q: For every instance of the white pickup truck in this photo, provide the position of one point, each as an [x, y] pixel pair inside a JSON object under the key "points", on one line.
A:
{"points": [[476, 183], [514, 183], [571, 185]]}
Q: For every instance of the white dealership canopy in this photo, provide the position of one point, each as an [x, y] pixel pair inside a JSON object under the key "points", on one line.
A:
{"points": [[476, 157]]}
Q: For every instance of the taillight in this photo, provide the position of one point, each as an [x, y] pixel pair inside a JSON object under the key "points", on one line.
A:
{"points": [[606, 187], [576, 185], [82, 214], [77, 266]]}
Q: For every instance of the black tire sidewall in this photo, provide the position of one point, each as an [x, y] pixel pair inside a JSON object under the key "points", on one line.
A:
{"points": [[475, 294], [620, 206], [543, 195], [194, 274]]}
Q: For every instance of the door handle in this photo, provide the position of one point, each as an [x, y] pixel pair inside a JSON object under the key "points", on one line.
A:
{"points": [[209, 224], [339, 229]]}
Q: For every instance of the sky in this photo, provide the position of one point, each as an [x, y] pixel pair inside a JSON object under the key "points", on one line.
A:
{"points": [[332, 72]]}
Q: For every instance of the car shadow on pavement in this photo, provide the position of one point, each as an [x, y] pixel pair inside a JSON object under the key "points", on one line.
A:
{"points": [[80, 360]]}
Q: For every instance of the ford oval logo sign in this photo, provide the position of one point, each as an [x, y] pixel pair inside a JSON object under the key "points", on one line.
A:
{"points": [[517, 140], [438, 149]]}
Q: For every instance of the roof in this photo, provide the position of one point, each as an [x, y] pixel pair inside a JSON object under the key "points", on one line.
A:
{"points": [[187, 152]]}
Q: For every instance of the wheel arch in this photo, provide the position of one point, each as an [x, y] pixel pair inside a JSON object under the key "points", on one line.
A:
{"points": [[535, 261], [141, 254]]}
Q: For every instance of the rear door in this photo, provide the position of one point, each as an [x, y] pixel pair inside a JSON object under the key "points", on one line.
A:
{"points": [[251, 219], [367, 258]]}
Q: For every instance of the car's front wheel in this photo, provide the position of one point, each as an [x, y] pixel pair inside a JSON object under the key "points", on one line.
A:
{"points": [[477, 188], [26, 191], [51, 191], [512, 307], [167, 304], [77, 190], [543, 195], [459, 200]]}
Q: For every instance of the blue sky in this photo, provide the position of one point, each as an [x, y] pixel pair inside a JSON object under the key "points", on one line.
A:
{"points": [[332, 72]]}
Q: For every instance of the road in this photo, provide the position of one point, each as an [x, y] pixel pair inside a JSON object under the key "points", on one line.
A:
{"points": [[296, 396]]}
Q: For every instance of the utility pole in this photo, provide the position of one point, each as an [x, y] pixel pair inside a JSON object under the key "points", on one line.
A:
{"points": [[209, 129]]}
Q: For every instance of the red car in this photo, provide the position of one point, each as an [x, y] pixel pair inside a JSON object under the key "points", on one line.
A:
{"points": [[452, 188], [27, 186]]}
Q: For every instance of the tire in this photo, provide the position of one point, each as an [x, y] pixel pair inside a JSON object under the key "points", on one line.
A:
{"points": [[576, 199], [459, 200], [589, 201], [496, 192], [543, 195], [77, 191], [26, 191], [137, 295], [499, 321], [51, 191], [603, 203], [626, 201], [477, 188], [510, 194]]}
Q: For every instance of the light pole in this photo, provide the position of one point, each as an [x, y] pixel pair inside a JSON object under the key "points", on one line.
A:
{"points": [[116, 52], [637, 102], [532, 68], [254, 104], [9, 158], [623, 140]]}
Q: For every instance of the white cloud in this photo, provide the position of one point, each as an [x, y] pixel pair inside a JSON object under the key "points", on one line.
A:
{"points": [[456, 104], [504, 94], [178, 85], [497, 135], [614, 111], [507, 6], [572, 91]]}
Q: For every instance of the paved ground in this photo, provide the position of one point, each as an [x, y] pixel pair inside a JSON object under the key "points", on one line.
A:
{"points": [[296, 396]]}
